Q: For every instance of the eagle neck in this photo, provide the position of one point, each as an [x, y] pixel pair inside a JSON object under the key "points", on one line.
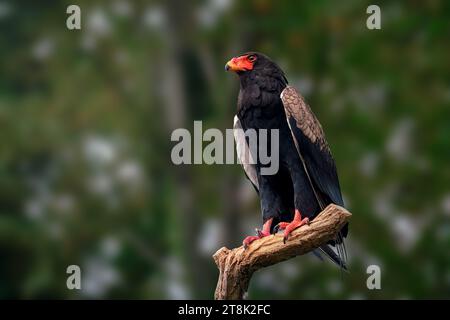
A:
{"points": [[260, 91]]}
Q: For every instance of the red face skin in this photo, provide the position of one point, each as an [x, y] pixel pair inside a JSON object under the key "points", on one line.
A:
{"points": [[241, 63]]}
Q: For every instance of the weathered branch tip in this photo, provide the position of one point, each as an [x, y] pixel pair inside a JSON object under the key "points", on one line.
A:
{"points": [[237, 266]]}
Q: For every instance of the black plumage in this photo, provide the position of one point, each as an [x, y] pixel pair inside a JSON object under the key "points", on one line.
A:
{"points": [[307, 178]]}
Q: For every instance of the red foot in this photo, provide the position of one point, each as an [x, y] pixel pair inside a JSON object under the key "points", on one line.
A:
{"points": [[288, 227], [261, 234]]}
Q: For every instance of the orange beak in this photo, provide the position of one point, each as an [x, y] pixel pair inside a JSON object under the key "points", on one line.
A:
{"points": [[239, 64]]}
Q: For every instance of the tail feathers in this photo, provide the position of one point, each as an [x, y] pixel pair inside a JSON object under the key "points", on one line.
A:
{"points": [[317, 254], [326, 249]]}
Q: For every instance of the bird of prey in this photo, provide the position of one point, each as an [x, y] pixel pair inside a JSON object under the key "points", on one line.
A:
{"points": [[306, 181]]}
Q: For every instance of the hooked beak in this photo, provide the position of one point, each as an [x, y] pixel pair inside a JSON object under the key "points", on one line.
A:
{"points": [[232, 65]]}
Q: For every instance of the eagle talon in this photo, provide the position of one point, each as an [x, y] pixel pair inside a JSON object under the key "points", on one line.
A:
{"points": [[260, 234], [281, 226]]}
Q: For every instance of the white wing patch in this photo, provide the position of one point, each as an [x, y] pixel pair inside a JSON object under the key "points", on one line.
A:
{"points": [[243, 152]]}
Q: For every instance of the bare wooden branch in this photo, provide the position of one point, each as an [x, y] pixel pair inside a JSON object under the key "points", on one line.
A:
{"points": [[237, 266]]}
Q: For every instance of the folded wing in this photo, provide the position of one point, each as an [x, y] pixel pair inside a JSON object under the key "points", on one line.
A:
{"points": [[313, 148]]}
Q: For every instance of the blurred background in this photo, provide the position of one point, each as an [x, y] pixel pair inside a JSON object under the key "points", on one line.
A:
{"points": [[86, 117]]}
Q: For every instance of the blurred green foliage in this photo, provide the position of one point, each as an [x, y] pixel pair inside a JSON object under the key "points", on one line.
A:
{"points": [[86, 117]]}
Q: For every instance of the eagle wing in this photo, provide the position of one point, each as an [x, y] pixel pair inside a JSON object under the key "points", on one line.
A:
{"points": [[312, 147], [244, 153], [317, 160]]}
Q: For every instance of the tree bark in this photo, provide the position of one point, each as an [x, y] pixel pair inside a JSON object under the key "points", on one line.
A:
{"points": [[237, 266]]}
